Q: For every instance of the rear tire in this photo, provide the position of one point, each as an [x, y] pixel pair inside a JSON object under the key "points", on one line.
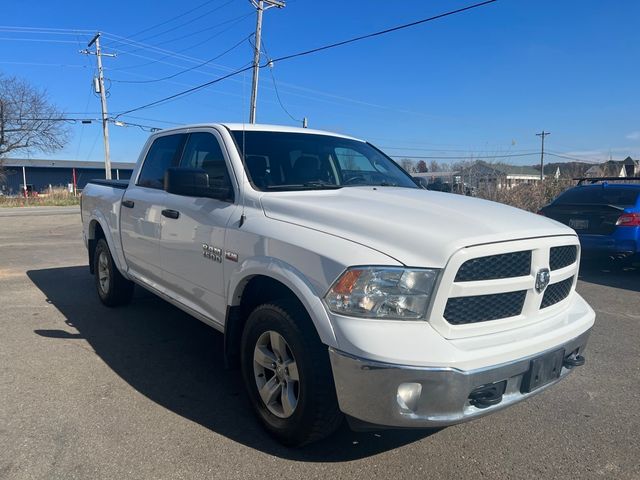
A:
{"points": [[113, 289], [283, 358]]}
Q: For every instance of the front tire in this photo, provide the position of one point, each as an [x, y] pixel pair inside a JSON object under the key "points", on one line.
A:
{"points": [[113, 289], [287, 374]]}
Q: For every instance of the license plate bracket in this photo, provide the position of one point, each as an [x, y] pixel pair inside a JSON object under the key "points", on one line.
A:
{"points": [[542, 370], [579, 223]]}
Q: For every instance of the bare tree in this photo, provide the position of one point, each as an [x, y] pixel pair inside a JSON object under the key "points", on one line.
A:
{"points": [[408, 165], [28, 121]]}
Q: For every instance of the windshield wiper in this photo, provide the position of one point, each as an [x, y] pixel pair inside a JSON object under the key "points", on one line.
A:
{"points": [[305, 186]]}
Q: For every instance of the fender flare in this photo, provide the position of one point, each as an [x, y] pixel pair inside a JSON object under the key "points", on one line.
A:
{"points": [[293, 279], [116, 253]]}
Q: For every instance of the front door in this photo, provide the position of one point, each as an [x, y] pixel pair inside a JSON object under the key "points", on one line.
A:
{"points": [[142, 205], [192, 240]]}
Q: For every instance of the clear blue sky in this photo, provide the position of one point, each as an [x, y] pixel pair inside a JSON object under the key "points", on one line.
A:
{"points": [[482, 82]]}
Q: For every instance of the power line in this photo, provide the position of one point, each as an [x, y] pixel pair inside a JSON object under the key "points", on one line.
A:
{"points": [[188, 69], [383, 32], [289, 86], [153, 120], [340, 100], [43, 40], [172, 19], [275, 87], [185, 92], [566, 157], [169, 53], [89, 95], [52, 119], [36, 64], [88, 120], [190, 21], [128, 40], [233, 22], [54, 31], [306, 52]]}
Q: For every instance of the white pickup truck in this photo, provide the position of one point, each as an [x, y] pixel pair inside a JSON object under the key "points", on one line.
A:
{"points": [[341, 287]]}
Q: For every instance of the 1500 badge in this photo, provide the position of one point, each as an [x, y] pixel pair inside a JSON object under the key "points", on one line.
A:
{"points": [[211, 252], [215, 253]]}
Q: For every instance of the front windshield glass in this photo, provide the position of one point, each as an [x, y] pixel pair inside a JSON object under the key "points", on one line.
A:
{"points": [[300, 161]]}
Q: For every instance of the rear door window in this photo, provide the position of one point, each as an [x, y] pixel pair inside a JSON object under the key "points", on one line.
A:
{"points": [[621, 197], [164, 153], [204, 151]]}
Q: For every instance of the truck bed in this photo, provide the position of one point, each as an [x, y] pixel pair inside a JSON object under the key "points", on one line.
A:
{"points": [[101, 200], [121, 184]]}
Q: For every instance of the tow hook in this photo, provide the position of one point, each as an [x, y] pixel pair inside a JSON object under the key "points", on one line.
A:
{"points": [[573, 361], [488, 395]]}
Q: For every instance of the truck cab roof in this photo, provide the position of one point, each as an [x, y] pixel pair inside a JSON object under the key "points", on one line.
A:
{"points": [[248, 127]]}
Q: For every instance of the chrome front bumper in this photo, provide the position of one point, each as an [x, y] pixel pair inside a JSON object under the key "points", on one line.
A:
{"points": [[368, 391]]}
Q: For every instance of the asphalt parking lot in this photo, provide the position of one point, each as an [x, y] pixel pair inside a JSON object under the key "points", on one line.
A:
{"points": [[141, 391]]}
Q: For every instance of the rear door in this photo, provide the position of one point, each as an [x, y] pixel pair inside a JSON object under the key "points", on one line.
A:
{"points": [[142, 205], [193, 238]]}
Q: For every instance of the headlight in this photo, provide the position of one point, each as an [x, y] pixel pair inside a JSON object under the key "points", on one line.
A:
{"points": [[382, 292]]}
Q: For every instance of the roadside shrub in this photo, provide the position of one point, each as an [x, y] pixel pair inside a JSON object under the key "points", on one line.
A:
{"points": [[58, 196], [526, 196]]}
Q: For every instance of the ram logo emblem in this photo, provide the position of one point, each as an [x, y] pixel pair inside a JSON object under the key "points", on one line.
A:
{"points": [[542, 279]]}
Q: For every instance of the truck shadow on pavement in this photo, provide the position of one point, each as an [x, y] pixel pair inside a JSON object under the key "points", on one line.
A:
{"points": [[177, 362], [610, 274]]}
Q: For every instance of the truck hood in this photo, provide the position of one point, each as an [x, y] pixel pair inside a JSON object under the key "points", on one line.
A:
{"points": [[416, 227]]}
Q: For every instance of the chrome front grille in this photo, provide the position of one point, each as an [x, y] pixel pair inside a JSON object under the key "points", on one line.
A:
{"points": [[492, 287]]}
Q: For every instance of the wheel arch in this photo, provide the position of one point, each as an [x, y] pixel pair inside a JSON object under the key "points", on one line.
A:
{"points": [[98, 228], [261, 280], [94, 233]]}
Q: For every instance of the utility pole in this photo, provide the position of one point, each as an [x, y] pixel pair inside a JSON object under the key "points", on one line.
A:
{"points": [[260, 7], [542, 135], [103, 100]]}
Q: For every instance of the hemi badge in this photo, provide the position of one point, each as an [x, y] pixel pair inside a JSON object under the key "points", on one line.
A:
{"points": [[231, 256]]}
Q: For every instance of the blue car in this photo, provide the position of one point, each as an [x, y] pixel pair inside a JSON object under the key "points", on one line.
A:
{"points": [[606, 217]]}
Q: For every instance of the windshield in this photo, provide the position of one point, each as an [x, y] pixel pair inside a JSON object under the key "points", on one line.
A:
{"points": [[301, 161]]}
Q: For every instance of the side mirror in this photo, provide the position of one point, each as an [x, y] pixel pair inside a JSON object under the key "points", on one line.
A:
{"points": [[195, 182]]}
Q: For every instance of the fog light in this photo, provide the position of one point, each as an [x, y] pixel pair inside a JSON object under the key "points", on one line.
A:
{"points": [[408, 396]]}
